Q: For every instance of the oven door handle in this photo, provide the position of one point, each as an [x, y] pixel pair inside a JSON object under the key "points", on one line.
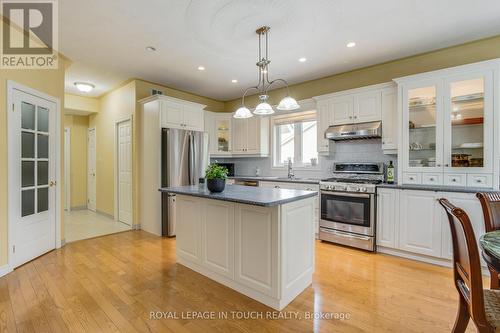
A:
{"points": [[346, 194], [345, 234]]}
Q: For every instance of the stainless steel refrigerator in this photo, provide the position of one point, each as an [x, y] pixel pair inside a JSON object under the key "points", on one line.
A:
{"points": [[184, 158]]}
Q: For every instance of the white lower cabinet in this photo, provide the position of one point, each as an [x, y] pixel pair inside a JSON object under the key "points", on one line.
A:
{"points": [[419, 223], [413, 224], [387, 214], [471, 205]]}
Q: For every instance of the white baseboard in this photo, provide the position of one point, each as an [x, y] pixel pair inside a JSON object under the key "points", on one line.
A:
{"points": [[422, 258], [5, 269], [136, 226]]}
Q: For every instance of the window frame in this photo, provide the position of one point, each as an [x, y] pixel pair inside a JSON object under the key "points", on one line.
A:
{"points": [[303, 116]]}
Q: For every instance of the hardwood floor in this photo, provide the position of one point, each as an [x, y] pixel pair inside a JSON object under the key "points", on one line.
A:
{"points": [[113, 283]]}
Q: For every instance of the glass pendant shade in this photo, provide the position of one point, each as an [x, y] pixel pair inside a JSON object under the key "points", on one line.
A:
{"points": [[263, 109], [242, 113], [287, 104]]}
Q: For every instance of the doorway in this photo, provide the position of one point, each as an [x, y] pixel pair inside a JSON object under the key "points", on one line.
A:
{"points": [[91, 169], [123, 187], [33, 155]]}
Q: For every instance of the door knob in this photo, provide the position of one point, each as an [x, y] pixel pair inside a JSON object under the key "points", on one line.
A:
{"points": [[52, 183]]}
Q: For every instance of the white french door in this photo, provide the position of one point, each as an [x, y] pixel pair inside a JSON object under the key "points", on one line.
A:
{"points": [[32, 177], [91, 170], [124, 166], [67, 169]]}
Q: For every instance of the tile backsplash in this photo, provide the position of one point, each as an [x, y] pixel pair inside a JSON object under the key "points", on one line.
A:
{"points": [[342, 151]]}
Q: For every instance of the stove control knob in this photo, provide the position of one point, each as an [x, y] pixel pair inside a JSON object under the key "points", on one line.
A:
{"points": [[362, 189]]}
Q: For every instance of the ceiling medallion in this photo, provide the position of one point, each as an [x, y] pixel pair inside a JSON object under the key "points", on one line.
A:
{"points": [[264, 108]]}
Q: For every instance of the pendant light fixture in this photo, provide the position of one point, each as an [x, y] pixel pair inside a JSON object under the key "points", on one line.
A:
{"points": [[264, 108]]}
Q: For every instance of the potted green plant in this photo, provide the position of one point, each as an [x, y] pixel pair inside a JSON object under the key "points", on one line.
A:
{"points": [[216, 177]]}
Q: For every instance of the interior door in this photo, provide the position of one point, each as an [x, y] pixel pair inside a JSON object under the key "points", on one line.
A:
{"points": [[124, 133], [91, 176], [32, 174]]}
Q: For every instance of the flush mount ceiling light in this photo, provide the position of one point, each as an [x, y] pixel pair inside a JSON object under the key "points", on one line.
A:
{"points": [[264, 108], [84, 87], [150, 48], [302, 59], [201, 68], [351, 44], [234, 81]]}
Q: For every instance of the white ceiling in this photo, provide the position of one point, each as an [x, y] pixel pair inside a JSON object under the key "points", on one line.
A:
{"points": [[107, 39]]}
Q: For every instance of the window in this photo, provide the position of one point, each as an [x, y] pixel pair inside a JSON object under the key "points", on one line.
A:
{"points": [[295, 139]]}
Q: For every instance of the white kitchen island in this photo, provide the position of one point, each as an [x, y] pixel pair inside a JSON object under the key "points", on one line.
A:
{"points": [[257, 241]]}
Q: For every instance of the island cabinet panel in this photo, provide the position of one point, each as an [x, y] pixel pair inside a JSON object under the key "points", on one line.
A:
{"points": [[264, 252], [256, 247], [188, 239], [420, 227], [218, 236], [297, 262]]}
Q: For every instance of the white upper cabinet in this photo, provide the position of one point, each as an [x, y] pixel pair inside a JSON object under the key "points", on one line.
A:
{"points": [[389, 120], [250, 136], [448, 125], [360, 105], [367, 106], [177, 113], [324, 115], [343, 110]]}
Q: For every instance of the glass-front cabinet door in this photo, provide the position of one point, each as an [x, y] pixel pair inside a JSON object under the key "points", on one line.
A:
{"points": [[223, 130], [468, 123], [423, 133], [220, 134]]}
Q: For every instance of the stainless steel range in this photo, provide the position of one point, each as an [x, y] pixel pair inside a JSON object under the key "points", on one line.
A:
{"points": [[348, 204]]}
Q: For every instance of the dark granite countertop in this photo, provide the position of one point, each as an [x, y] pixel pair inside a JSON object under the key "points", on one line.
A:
{"points": [[258, 196], [278, 179], [436, 188]]}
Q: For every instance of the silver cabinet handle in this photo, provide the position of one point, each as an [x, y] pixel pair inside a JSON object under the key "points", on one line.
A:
{"points": [[438, 165], [431, 179], [453, 179], [355, 117], [446, 165], [411, 178], [276, 186], [479, 181]]}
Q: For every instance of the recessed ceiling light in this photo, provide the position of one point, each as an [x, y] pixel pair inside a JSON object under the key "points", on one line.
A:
{"points": [[150, 48], [84, 87], [302, 59], [351, 44], [234, 81], [201, 68]]}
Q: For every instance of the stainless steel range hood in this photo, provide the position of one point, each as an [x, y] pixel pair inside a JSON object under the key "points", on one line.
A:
{"points": [[355, 131]]}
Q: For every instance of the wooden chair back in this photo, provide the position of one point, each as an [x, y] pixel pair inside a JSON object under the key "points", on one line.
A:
{"points": [[466, 263], [490, 201]]}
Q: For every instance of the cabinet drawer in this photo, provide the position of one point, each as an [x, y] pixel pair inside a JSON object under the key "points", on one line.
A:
{"points": [[432, 179], [455, 179], [479, 180], [412, 178]]}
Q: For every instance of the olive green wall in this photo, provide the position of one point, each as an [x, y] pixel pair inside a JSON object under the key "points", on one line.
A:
{"points": [[475, 51]]}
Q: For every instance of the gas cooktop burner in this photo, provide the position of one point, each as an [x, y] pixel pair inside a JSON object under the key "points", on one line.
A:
{"points": [[353, 180]]}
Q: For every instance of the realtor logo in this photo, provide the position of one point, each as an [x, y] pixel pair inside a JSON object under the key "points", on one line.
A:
{"points": [[29, 34]]}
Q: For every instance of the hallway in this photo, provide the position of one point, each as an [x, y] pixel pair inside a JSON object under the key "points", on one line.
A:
{"points": [[83, 224]]}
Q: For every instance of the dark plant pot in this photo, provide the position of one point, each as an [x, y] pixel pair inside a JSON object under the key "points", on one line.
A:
{"points": [[216, 185]]}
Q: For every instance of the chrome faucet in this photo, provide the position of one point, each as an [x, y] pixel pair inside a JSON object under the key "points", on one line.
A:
{"points": [[290, 171]]}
